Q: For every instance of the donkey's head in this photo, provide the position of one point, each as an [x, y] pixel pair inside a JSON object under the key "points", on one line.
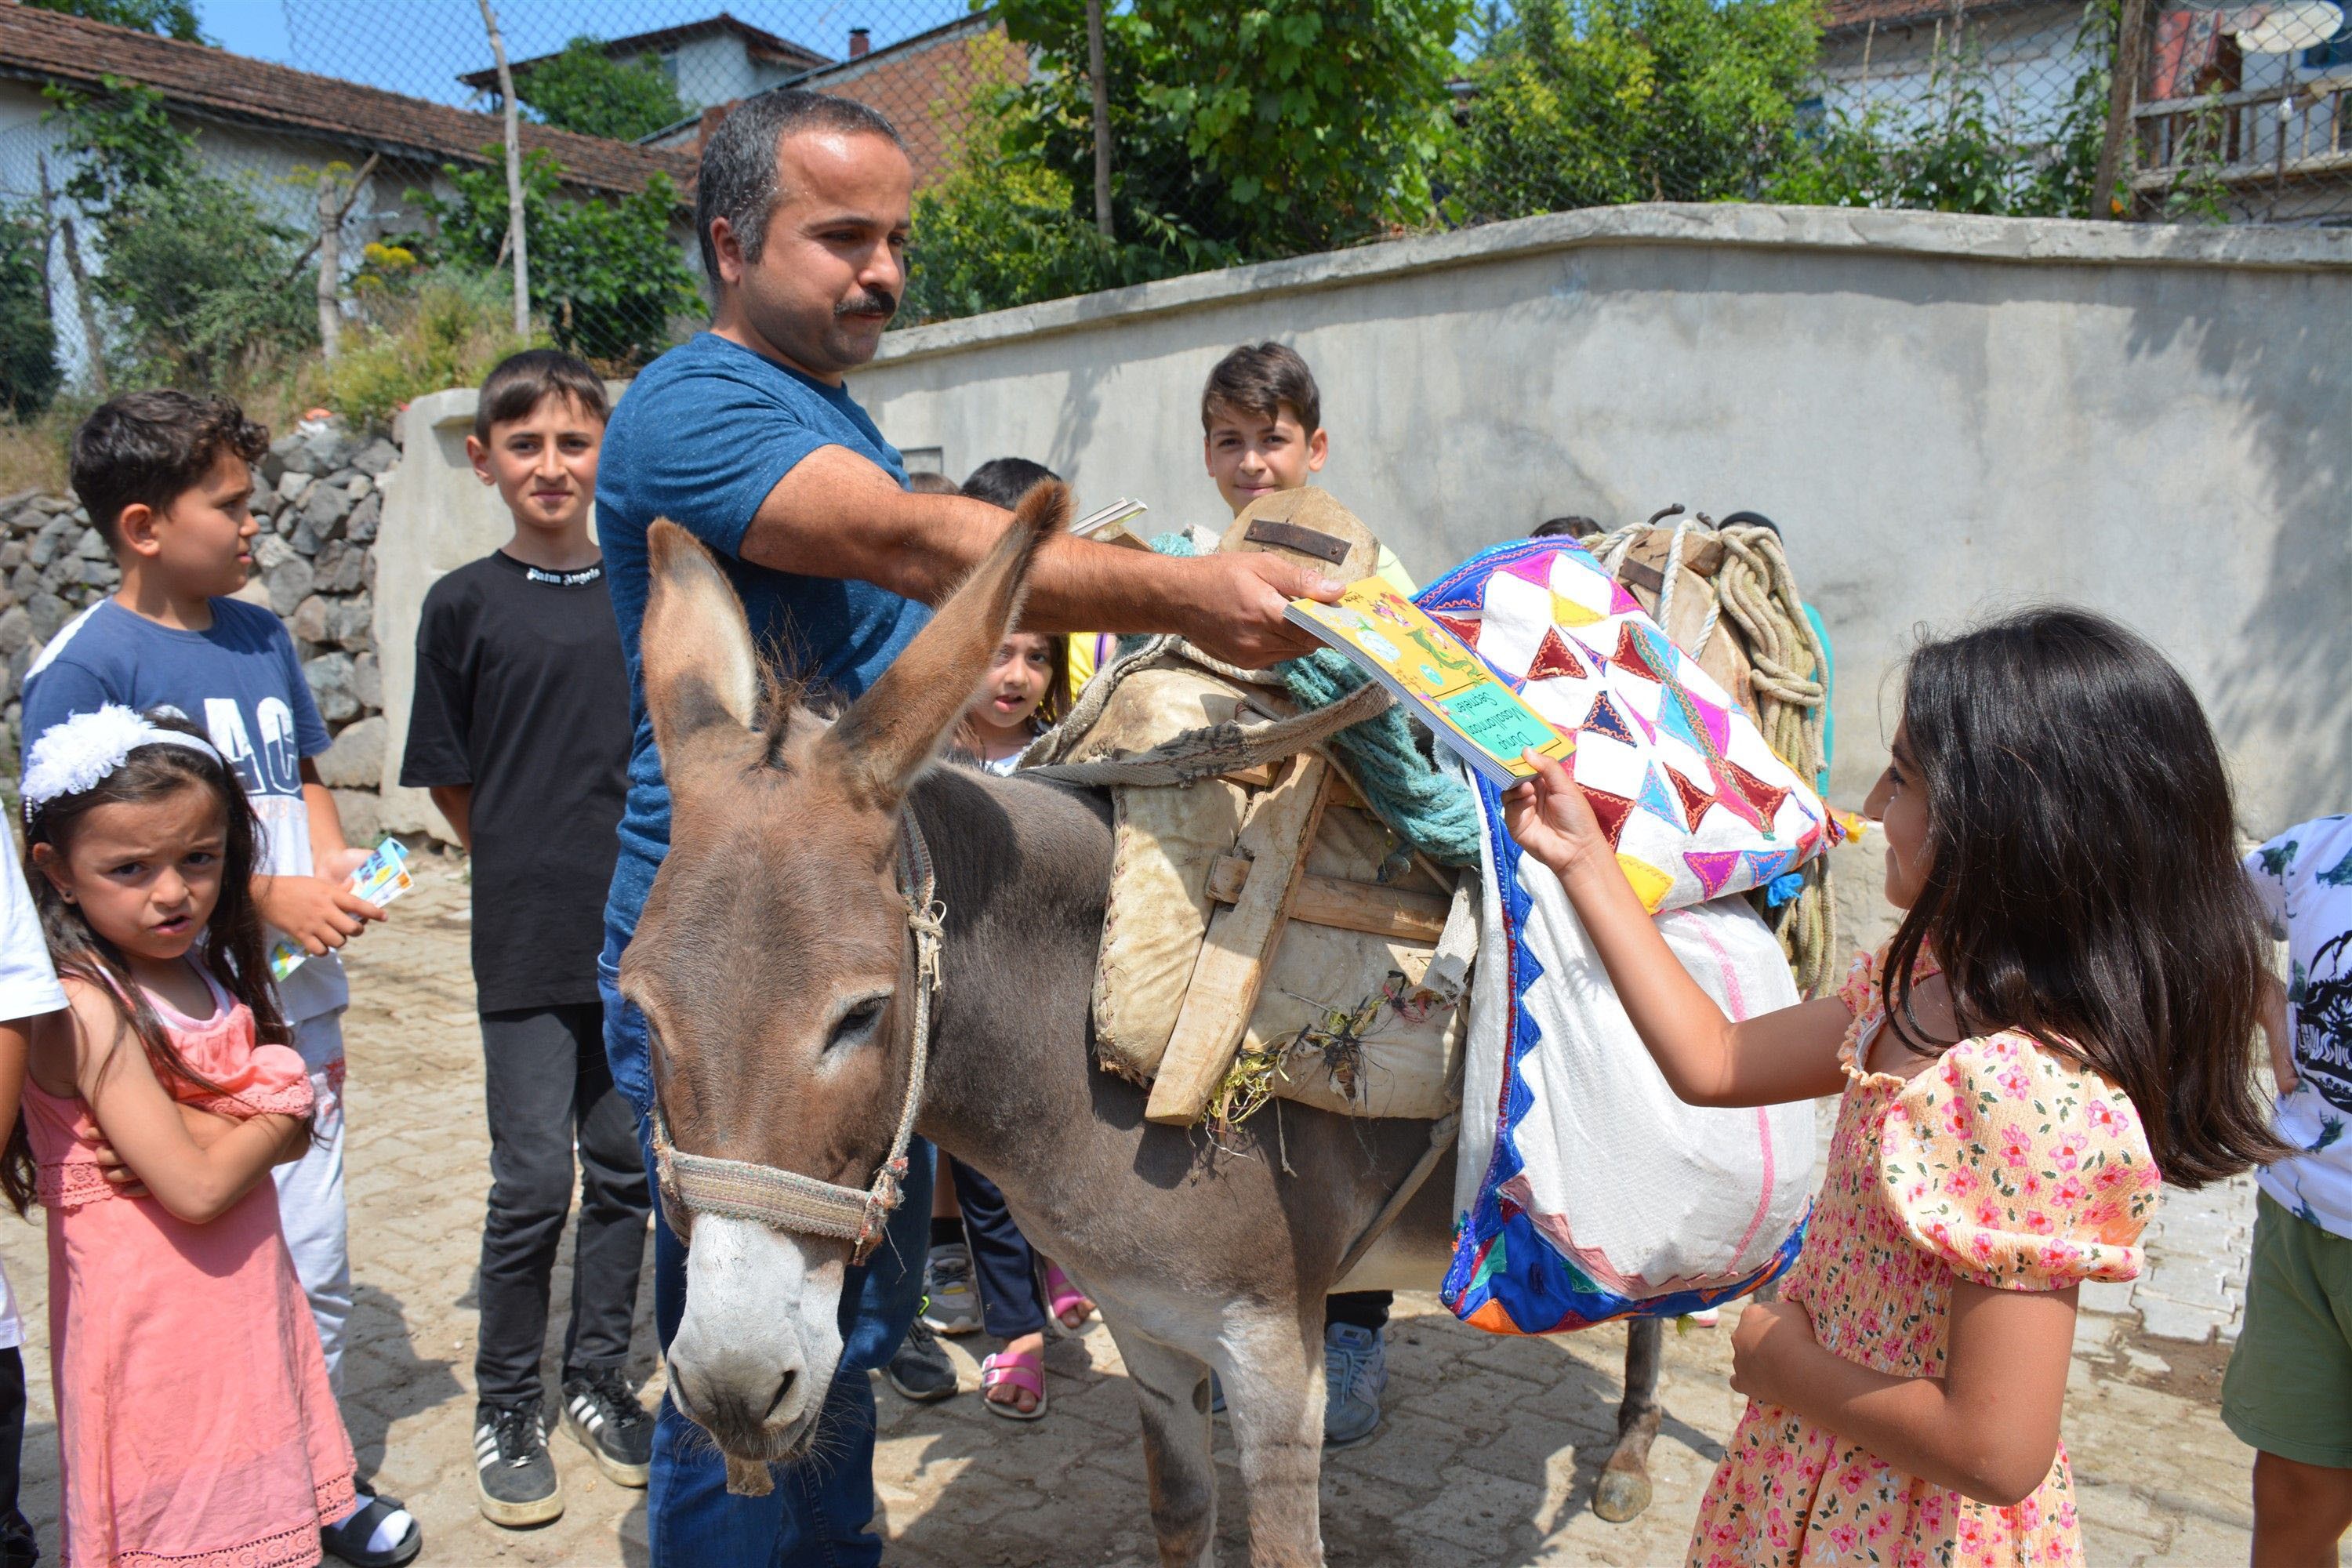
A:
{"points": [[773, 962]]}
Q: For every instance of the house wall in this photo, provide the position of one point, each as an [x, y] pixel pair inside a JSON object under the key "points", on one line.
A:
{"points": [[2027, 59], [265, 164], [719, 69], [928, 93], [1948, 416]]}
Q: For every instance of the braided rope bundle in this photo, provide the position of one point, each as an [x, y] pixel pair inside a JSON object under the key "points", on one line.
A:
{"points": [[1754, 587]]}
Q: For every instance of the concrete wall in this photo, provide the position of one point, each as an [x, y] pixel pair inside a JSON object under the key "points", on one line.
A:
{"points": [[437, 515], [1947, 416]]}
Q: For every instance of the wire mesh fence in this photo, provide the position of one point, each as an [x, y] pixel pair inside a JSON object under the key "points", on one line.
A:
{"points": [[173, 210]]}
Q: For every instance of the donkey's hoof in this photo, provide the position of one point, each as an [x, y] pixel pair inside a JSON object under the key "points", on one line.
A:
{"points": [[1621, 1495]]}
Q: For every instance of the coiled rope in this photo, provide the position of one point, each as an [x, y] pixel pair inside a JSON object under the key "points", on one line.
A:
{"points": [[1754, 586]]}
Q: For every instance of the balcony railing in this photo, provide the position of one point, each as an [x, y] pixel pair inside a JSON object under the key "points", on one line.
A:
{"points": [[2299, 131]]}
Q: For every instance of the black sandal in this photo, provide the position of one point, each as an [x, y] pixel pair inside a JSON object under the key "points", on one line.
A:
{"points": [[351, 1540]]}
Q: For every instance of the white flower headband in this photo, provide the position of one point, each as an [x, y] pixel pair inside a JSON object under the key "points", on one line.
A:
{"points": [[75, 755]]}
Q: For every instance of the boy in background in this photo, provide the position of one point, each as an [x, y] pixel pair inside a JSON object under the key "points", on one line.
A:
{"points": [[521, 731], [167, 480], [2288, 1392], [1262, 431]]}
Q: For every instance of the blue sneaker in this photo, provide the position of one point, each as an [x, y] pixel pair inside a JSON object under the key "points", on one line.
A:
{"points": [[1355, 1375]]}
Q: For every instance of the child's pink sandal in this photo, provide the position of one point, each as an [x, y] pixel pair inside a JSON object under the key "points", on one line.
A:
{"points": [[1069, 1304], [1024, 1370]]}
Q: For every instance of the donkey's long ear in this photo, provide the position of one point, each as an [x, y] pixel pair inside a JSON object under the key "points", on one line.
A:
{"points": [[889, 734], [699, 671]]}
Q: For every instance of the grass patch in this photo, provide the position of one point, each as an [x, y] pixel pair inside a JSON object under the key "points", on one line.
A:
{"points": [[445, 329], [33, 453]]}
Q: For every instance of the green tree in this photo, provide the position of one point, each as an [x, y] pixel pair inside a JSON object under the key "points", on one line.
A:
{"points": [[585, 89], [28, 343], [170, 18], [199, 285], [1267, 128], [1578, 103], [607, 274]]}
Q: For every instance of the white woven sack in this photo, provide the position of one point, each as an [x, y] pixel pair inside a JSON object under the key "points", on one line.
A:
{"points": [[1642, 1193]]}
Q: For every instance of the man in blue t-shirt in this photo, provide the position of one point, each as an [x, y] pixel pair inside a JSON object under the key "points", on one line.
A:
{"points": [[746, 437]]}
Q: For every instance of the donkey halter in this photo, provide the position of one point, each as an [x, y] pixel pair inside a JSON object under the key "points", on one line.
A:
{"points": [[783, 1200]]}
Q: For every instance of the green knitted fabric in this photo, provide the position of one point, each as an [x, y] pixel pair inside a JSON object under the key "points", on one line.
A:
{"points": [[1435, 810]]}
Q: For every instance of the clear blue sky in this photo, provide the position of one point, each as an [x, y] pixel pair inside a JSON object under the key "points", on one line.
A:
{"points": [[420, 46]]}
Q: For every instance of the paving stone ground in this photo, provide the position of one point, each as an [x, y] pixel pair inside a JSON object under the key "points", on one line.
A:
{"points": [[1488, 1455]]}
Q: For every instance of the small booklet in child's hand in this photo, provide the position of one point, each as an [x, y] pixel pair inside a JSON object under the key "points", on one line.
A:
{"points": [[1430, 671], [381, 878]]}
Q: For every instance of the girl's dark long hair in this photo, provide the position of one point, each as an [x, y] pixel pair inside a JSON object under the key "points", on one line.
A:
{"points": [[231, 950], [2083, 882]]}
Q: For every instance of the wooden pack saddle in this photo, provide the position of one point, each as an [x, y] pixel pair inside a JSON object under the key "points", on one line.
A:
{"points": [[1267, 935]]}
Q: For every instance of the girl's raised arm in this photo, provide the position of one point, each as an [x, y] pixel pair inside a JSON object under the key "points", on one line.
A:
{"points": [[1708, 1059], [194, 1182]]}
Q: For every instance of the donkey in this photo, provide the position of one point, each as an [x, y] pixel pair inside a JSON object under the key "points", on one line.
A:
{"points": [[773, 966]]}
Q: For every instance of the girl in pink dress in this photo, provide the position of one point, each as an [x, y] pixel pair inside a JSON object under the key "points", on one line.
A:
{"points": [[196, 1426], [2068, 1008]]}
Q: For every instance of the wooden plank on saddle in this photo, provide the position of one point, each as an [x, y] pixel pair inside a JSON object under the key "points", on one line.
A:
{"points": [[1364, 907], [1232, 967]]}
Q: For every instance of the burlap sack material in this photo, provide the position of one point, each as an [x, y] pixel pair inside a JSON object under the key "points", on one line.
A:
{"points": [[1326, 982]]}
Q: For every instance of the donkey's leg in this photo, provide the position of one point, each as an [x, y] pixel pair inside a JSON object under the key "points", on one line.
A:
{"points": [[1624, 1488], [1273, 1397], [1173, 1389]]}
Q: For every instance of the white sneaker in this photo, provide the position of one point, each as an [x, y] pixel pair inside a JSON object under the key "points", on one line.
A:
{"points": [[952, 1306]]}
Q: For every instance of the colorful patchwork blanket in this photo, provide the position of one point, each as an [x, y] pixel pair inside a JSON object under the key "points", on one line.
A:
{"points": [[1586, 1190]]}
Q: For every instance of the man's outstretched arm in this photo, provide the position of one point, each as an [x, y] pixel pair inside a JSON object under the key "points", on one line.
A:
{"points": [[837, 515]]}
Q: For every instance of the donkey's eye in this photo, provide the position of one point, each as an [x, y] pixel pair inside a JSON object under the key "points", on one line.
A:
{"points": [[857, 1024]]}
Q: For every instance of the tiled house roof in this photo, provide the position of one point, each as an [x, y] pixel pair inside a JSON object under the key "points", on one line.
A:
{"points": [[212, 84]]}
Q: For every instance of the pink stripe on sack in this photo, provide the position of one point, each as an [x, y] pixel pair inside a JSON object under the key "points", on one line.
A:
{"points": [[1763, 1116]]}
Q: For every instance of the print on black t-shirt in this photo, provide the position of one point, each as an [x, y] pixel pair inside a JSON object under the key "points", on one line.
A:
{"points": [[522, 693]]}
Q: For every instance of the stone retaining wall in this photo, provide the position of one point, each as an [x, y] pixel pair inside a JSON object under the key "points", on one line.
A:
{"points": [[318, 498]]}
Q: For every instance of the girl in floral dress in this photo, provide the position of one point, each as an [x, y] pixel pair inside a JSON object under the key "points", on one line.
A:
{"points": [[2065, 1018]]}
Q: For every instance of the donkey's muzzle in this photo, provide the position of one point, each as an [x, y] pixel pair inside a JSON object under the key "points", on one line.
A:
{"points": [[757, 1346]]}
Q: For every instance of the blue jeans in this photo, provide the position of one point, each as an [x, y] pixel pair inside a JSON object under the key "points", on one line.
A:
{"points": [[819, 1515]]}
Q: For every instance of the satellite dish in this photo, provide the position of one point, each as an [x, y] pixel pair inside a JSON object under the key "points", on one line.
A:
{"points": [[2283, 29]]}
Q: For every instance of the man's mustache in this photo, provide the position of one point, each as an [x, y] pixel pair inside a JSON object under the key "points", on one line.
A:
{"points": [[872, 301]]}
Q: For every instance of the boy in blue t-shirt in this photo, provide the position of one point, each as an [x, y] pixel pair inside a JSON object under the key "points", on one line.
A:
{"points": [[167, 480]]}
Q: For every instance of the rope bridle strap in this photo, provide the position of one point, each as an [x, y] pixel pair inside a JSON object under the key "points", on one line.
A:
{"points": [[783, 1200]]}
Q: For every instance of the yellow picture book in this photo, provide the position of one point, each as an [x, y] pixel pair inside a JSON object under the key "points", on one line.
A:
{"points": [[1445, 684]]}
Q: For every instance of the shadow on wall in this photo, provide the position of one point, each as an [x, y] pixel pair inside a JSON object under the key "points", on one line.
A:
{"points": [[2286, 674], [1948, 417]]}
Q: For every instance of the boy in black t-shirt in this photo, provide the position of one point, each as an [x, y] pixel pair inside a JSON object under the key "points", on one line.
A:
{"points": [[521, 731]]}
